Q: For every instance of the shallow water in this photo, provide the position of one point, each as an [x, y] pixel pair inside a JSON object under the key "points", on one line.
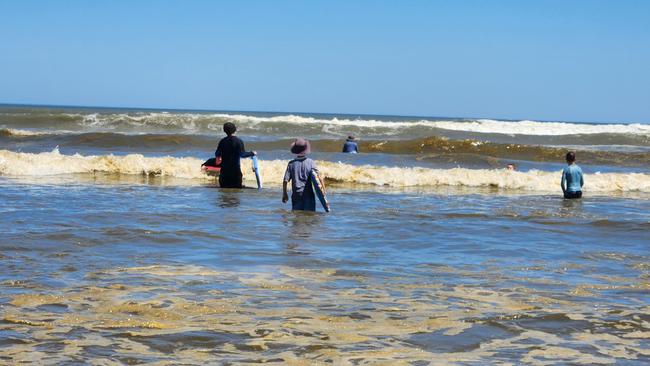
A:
{"points": [[137, 273], [118, 252]]}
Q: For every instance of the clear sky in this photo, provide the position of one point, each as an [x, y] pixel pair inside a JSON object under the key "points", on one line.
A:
{"points": [[522, 59]]}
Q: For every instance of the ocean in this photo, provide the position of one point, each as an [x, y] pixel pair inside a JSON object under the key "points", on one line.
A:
{"points": [[116, 248]]}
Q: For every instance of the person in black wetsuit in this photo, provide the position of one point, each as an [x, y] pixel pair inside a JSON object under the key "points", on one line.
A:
{"points": [[230, 150]]}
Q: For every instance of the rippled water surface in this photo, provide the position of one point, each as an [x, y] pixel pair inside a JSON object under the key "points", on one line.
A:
{"points": [[115, 248], [114, 271]]}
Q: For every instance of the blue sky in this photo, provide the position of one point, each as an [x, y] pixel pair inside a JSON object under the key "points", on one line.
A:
{"points": [[550, 60]]}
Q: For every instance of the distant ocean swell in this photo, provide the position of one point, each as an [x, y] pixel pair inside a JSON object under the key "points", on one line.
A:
{"points": [[14, 132], [14, 164], [301, 124], [425, 147]]}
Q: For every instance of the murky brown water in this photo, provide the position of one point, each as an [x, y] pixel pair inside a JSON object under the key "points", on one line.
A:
{"points": [[117, 249]]}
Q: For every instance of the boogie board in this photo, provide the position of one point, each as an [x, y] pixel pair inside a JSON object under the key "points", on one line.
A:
{"points": [[317, 183], [256, 169], [211, 170], [212, 166]]}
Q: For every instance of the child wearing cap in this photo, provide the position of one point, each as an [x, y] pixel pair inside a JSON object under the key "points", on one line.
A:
{"points": [[299, 172]]}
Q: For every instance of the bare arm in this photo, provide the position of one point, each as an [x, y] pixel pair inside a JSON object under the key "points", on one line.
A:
{"points": [[582, 180], [285, 195]]}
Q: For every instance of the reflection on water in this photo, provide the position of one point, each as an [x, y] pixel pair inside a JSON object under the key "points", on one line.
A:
{"points": [[229, 198], [301, 226], [571, 205]]}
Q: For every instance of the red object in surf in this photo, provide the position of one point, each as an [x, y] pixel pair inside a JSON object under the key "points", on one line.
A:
{"points": [[212, 166]]}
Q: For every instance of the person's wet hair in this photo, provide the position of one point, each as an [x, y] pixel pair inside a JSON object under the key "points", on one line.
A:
{"points": [[229, 128], [570, 157]]}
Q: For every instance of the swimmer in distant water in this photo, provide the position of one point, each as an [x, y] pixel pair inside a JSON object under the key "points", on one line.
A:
{"points": [[511, 166], [350, 146], [230, 150], [572, 180], [299, 173]]}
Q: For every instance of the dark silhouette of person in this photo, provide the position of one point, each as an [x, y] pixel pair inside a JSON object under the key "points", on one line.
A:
{"points": [[231, 150], [350, 145]]}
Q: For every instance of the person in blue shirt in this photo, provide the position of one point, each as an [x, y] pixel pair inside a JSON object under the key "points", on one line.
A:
{"points": [[350, 145], [572, 180]]}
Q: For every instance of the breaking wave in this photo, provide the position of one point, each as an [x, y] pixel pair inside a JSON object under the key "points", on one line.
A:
{"points": [[14, 132], [431, 147], [535, 128], [307, 125], [55, 163]]}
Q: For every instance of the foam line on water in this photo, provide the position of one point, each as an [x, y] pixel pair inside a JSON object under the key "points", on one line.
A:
{"points": [[334, 125], [536, 128], [524, 127], [272, 171]]}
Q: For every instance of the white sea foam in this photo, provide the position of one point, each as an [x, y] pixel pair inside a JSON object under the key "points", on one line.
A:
{"points": [[194, 122], [214, 121], [481, 126], [542, 128], [54, 163]]}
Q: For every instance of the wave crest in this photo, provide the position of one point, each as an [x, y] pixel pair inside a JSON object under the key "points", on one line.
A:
{"points": [[194, 122], [55, 163], [14, 132], [430, 148]]}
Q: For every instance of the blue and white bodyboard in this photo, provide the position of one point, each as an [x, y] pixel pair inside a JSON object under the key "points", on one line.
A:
{"points": [[319, 190], [256, 169]]}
